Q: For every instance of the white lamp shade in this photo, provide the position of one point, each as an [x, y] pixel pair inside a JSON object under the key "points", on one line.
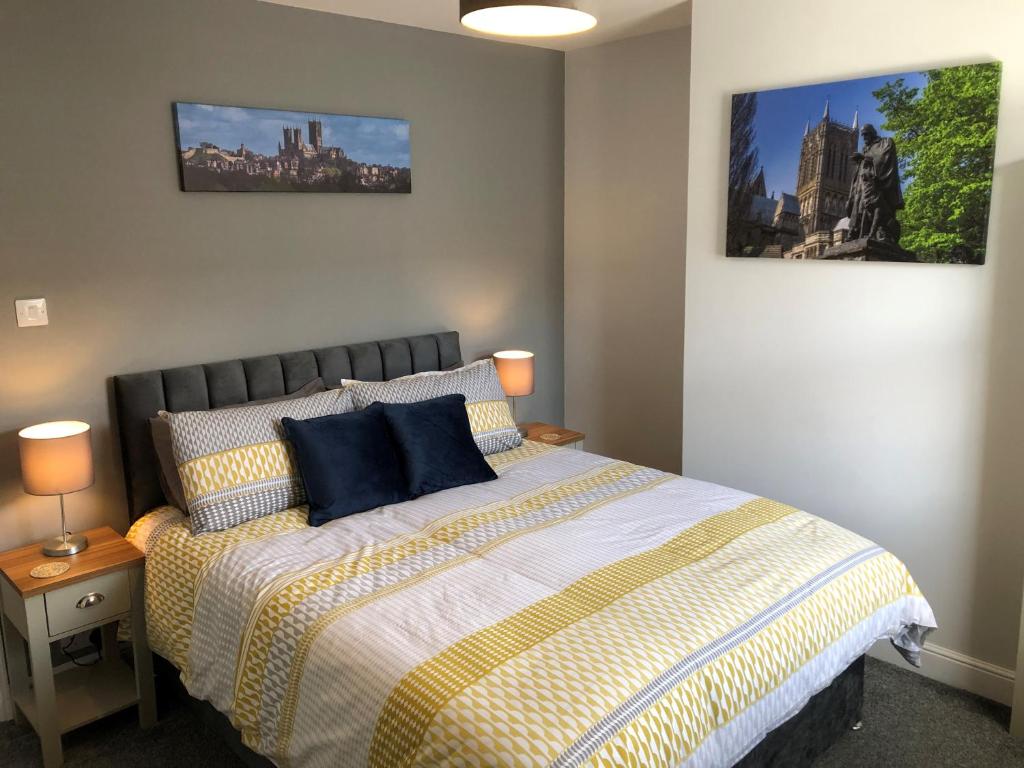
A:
{"points": [[56, 458], [515, 370]]}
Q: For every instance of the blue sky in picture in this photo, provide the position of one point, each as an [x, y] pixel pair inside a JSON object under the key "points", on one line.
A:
{"points": [[380, 140], [782, 114]]}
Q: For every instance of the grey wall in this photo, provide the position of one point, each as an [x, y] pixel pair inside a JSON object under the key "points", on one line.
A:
{"points": [[626, 125], [884, 397], [139, 275]]}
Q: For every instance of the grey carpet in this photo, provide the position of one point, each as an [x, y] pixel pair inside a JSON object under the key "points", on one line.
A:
{"points": [[909, 721]]}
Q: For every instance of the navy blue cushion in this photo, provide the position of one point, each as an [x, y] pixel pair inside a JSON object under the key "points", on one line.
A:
{"points": [[348, 463], [436, 444]]}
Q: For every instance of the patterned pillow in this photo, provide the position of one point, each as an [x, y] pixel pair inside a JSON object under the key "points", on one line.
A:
{"points": [[236, 465], [490, 418], [160, 430]]}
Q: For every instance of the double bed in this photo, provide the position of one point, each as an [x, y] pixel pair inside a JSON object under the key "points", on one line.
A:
{"points": [[576, 611]]}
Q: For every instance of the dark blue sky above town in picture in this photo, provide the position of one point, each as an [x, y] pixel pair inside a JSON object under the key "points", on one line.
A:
{"points": [[782, 114], [374, 140]]}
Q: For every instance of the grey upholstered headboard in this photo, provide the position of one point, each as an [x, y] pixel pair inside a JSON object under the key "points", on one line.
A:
{"points": [[138, 396]]}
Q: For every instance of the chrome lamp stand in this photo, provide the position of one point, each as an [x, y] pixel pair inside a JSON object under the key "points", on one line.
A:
{"points": [[67, 543]]}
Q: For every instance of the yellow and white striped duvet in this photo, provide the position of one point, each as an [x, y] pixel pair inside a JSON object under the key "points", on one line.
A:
{"points": [[577, 610]]}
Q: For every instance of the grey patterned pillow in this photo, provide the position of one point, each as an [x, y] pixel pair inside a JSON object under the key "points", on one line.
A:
{"points": [[490, 418], [236, 465], [160, 430]]}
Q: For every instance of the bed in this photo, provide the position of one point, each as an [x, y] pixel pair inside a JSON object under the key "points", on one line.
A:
{"points": [[576, 611]]}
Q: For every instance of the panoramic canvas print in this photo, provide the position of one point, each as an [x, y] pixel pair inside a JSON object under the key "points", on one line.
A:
{"points": [[892, 168], [241, 149]]}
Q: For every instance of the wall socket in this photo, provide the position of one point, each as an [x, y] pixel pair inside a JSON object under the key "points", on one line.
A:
{"points": [[31, 312]]}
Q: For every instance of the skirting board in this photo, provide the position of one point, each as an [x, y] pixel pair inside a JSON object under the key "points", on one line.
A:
{"points": [[955, 669]]}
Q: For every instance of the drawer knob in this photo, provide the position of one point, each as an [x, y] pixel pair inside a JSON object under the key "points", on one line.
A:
{"points": [[93, 598]]}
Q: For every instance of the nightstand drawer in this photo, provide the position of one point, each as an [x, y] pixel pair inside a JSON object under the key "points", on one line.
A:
{"points": [[87, 602]]}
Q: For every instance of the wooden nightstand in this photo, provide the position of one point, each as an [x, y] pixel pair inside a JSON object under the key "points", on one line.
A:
{"points": [[549, 434], [103, 585]]}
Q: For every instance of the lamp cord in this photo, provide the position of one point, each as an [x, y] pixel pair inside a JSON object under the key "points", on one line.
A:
{"points": [[74, 656]]}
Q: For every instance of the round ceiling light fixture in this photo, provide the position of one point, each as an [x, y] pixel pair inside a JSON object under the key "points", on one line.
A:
{"points": [[516, 18]]}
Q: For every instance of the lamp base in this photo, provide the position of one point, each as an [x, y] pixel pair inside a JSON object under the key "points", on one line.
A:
{"points": [[59, 548]]}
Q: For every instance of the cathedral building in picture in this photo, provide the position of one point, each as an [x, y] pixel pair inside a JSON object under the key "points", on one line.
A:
{"points": [[804, 225], [823, 183]]}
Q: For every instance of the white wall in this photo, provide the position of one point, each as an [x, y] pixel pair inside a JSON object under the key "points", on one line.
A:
{"points": [[885, 397], [626, 115]]}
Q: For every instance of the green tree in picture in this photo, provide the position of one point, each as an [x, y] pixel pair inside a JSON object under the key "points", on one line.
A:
{"points": [[946, 139]]}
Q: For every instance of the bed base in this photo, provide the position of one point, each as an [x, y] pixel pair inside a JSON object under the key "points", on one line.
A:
{"points": [[810, 732], [170, 688], [797, 743]]}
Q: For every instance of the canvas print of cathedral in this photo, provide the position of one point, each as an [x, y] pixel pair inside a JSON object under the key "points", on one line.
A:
{"points": [[893, 168], [239, 149]]}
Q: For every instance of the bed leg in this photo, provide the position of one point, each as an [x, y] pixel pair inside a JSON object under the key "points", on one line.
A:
{"points": [[857, 726]]}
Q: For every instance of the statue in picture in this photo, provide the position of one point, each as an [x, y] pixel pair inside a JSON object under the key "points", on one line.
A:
{"points": [[875, 194]]}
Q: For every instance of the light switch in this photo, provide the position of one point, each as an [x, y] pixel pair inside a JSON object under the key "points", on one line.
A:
{"points": [[31, 312]]}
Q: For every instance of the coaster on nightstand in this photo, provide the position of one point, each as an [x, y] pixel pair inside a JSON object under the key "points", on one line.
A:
{"points": [[550, 437], [49, 570]]}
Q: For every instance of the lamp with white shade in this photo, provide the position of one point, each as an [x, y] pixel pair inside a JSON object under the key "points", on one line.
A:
{"points": [[56, 458], [515, 371]]}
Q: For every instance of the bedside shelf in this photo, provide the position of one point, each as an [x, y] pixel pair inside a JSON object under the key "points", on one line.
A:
{"points": [[551, 434], [86, 694], [103, 585]]}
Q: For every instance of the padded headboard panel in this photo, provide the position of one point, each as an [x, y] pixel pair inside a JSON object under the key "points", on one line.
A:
{"points": [[138, 396]]}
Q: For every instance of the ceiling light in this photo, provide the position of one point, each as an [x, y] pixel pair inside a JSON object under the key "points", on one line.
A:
{"points": [[515, 18]]}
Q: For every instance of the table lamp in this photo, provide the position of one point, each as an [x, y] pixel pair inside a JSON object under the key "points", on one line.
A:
{"points": [[56, 458], [515, 371]]}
